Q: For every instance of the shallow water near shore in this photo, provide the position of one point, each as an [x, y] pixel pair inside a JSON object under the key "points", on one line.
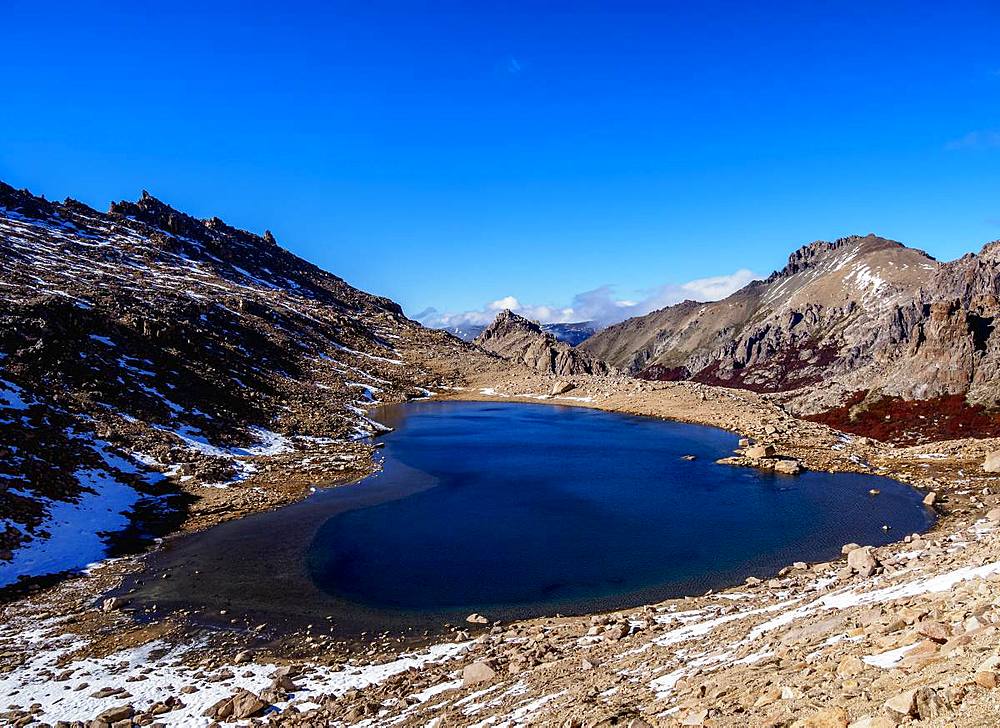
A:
{"points": [[518, 510]]}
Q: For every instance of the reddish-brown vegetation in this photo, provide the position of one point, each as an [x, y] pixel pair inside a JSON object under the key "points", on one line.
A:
{"points": [[909, 422]]}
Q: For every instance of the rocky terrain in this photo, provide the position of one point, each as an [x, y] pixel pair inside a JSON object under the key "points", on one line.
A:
{"points": [[859, 325], [901, 634], [158, 370], [160, 374], [516, 338]]}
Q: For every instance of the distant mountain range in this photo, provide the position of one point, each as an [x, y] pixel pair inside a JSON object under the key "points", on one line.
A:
{"points": [[571, 333]]}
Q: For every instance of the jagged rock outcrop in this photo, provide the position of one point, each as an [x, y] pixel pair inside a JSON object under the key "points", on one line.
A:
{"points": [[515, 337], [860, 315]]}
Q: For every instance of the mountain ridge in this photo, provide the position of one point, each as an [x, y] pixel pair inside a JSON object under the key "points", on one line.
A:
{"points": [[159, 364], [861, 313]]}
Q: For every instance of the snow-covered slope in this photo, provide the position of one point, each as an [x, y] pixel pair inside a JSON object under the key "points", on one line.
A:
{"points": [[146, 356]]}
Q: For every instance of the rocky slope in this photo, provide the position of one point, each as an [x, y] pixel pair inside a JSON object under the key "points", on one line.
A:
{"points": [[155, 367], [862, 323], [518, 339]]}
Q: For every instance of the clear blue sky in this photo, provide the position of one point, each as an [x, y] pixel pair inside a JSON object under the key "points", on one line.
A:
{"points": [[446, 154]]}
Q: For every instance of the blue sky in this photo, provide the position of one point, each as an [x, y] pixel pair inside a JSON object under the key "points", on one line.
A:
{"points": [[455, 154]]}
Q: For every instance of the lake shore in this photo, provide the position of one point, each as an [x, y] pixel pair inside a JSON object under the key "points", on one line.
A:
{"points": [[628, 653]]}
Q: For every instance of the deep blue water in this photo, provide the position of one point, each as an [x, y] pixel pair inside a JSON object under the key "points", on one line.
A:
{"points": [[519, 509]]}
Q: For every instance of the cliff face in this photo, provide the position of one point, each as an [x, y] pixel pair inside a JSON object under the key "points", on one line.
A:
{"points": [[861, 313], [515, 337]]}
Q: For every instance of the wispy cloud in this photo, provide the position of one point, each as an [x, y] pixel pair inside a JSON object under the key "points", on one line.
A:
{"points": [[601, 305], [981, 139]]}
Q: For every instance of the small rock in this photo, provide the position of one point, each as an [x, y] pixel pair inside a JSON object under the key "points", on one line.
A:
{"points": [[862, 560], [477, 672], [934, 631], [695, 717], [835, 717], [987, 680], [113, 715], [903, 704], [247, 705], [930, 498], [850, 666], [475, 618], [992, 462]]}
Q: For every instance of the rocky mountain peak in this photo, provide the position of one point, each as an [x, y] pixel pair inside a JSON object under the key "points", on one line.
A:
{"points": [[508, 322], [515, 337]]}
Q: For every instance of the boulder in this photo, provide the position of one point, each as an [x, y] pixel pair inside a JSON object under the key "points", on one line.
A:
{"points": [[758, 452], [835, 717], [112, 604], [113, 715], [875, 721], [562, 387], [477, 672], [247, 705], [934, 631], [788, 467], [992, 462], [994, 515], [862, 561], [905, 703], [476, 618], [930, 498], [987, 679], [695, 718], [850, 666]]}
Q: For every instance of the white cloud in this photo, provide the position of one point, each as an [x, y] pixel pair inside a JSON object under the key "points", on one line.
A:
{"points": [[601, 305]]}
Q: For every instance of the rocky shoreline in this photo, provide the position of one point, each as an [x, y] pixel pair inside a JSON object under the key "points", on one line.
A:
{"points": [[822, 644]]}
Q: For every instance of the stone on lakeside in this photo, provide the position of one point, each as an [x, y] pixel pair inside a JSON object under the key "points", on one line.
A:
{"points": [[476, 618], [930, 498], [992, 462], [477, 672], [849, 547], [561, 387], [862, 560], [788, 466], [758, 452]]}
